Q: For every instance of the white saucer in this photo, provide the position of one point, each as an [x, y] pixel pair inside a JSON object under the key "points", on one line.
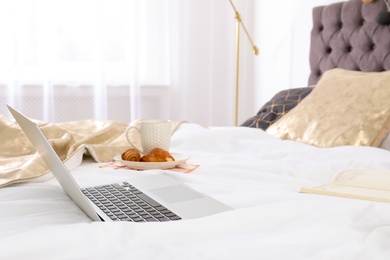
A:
{"points": [[179, 158]]}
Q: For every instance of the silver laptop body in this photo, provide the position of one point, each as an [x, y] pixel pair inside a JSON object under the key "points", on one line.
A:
{"points": [[155, 192]]}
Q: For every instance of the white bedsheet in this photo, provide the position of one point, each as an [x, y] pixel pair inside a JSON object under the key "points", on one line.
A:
{"points": [[255, 173]]}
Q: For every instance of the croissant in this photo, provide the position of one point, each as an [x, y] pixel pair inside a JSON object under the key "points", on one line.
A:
{"points": [[157, 155], [131, 155]]}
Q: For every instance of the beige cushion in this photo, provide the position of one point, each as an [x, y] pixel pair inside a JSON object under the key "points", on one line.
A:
{"points": [[345, 108]]}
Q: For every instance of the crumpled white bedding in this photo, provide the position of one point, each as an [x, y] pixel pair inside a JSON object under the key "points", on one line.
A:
{"points": [[249, 170]]}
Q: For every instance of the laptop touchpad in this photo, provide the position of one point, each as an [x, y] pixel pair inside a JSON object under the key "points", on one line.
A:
{"points": [[177, 193]]}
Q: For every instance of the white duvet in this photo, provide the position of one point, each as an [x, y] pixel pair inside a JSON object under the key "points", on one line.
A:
{"points": [[247, 169]]}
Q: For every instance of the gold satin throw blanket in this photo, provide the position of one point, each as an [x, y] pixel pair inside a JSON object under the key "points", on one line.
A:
{"points": [[102, 139]]}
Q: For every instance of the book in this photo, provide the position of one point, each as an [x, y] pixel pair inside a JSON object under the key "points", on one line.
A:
{"points": [[366, 184]]}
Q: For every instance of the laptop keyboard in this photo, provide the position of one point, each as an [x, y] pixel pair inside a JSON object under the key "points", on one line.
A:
{"points": [[124, 202]]}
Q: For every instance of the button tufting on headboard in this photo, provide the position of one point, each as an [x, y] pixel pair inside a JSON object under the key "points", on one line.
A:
{"points": [[346, 35]]}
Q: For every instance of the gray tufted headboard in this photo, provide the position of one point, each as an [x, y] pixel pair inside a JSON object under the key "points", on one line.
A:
{"points": [[346, 35]]}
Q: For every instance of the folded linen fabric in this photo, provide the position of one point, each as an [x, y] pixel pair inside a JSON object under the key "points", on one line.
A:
{"points": [[102, 139]]}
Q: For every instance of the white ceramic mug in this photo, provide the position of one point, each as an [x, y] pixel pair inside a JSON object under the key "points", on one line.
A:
{"points": [[153, 134]]}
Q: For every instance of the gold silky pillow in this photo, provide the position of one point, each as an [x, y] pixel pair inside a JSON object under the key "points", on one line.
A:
{"points": [[345, 108]]}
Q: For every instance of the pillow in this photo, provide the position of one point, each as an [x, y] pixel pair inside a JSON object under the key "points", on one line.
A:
{"points": [[345, 108], [277, 107]]}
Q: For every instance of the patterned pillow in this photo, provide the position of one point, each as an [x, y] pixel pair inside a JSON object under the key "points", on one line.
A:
{"points": [[345, 108], [277, 107]]}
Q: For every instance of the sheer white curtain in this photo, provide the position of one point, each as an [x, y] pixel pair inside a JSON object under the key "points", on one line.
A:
{"points": [[203, 61], [128, 59], [118, 59], [75, 59]]}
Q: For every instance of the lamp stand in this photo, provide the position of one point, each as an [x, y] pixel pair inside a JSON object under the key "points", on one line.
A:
{"points": [[239, 23]]}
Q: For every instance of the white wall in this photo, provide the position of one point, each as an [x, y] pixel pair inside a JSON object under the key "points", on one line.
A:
{"points": [[282, 33]]}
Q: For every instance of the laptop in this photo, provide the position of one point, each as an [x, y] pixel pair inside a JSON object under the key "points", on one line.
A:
{"points": [[157, 197]]}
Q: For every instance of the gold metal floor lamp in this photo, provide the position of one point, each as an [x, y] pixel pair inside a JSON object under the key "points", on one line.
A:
{"points": [[255, 50]]}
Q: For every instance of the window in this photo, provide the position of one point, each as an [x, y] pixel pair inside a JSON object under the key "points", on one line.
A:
{"points": [[51, 45]]}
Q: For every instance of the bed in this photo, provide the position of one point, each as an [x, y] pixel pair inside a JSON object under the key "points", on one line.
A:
{"points": [[257, 168]]}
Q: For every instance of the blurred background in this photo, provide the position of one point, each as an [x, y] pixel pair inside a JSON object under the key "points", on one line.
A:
{"points": [[129, 59]]}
